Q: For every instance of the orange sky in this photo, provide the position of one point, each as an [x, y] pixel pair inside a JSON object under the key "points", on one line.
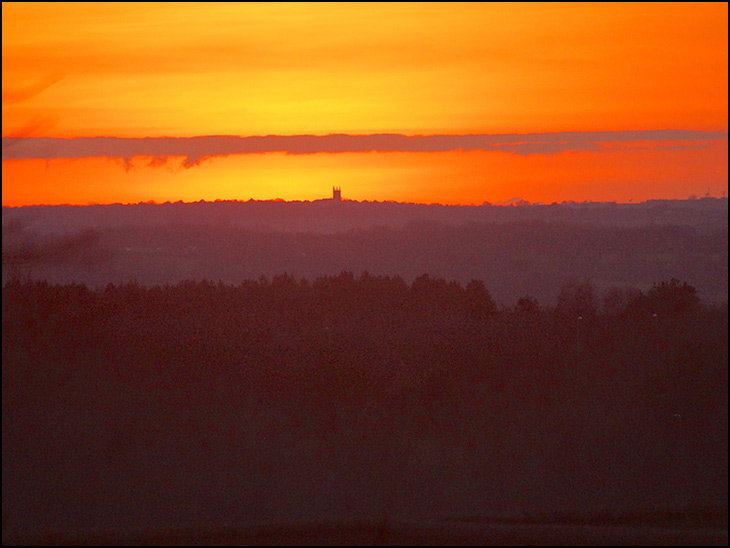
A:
{"points": [[196, 69]]}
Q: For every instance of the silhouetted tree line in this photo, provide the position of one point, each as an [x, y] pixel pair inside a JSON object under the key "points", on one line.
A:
{"points": [[583, 397]]}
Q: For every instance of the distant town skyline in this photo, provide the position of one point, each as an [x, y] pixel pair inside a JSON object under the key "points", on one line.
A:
{"points": [[452, 103]]}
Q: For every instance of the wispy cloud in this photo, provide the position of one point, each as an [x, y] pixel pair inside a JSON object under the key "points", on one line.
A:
{"points": [[20, 93], [197, 149]]}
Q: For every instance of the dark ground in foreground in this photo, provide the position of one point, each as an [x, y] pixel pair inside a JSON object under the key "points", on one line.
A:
{"points": [[688, 529]]}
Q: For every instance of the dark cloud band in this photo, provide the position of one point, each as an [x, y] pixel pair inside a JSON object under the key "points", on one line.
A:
{"points": [[196, 149]]}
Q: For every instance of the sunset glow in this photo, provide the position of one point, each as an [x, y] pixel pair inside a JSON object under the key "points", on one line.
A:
{"points": [[141, 70]]}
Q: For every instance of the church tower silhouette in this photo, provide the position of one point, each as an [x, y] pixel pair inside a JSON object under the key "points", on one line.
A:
{"points": [[336, 193]]}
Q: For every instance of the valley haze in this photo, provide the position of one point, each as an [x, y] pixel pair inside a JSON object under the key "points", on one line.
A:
{"points": [[517, 250]]}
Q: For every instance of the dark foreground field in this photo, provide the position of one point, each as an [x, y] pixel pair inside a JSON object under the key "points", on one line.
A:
{"points": [[396, 532]]}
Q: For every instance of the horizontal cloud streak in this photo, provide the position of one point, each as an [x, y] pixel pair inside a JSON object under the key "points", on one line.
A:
{"points": [[196, 149]]}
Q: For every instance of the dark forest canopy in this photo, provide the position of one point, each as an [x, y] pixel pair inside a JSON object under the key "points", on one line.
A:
{"points": [[357, 395]]}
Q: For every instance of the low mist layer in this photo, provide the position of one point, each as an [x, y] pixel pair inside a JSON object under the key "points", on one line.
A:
{"points": [[516, 251]]}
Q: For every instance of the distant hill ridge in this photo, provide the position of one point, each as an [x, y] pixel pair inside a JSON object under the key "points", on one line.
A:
{"points": [[329, 216]]}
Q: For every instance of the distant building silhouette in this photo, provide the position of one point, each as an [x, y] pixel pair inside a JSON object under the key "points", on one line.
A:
{"points": [[336, 194]]}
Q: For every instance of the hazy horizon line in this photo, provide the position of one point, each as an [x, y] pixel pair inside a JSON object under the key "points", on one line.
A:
{"points": [[513, 202]]}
